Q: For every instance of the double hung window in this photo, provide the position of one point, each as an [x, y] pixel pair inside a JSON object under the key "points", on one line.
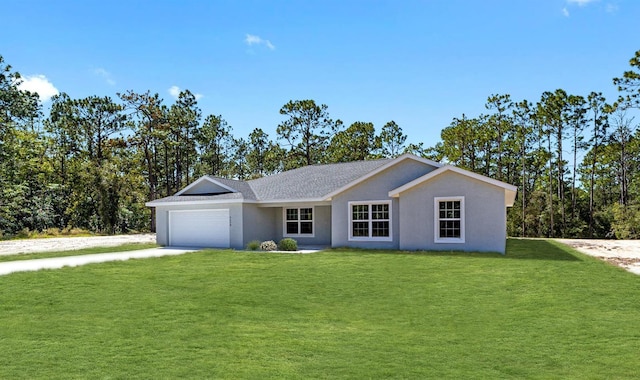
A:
{"points": [[298, 221], [370, 221], [449, 220]]}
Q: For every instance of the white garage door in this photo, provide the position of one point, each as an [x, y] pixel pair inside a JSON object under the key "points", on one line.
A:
{"points": [[199, 228]]}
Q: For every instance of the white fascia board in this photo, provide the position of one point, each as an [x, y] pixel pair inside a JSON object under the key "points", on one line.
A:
{"points": [[293, 202], [201, 202], [509, 197], [396, 192], [205, 178], [380, 169], [508, 188]]}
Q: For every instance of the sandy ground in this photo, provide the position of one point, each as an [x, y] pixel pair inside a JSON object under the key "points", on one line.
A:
{"points": [[13, 247], [74, 261], [624, 253]]}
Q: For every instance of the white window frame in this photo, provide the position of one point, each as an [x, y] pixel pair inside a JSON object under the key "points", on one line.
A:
{"points": [[370, 221], [436, 220], [300, 235]]}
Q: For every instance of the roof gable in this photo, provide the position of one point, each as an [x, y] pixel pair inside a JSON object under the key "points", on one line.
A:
{"points": [[510, 190], [310, 183], [380, 169], [206, 185]]}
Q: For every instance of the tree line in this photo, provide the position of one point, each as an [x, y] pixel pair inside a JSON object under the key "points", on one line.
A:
{"points": [[92, 163]]}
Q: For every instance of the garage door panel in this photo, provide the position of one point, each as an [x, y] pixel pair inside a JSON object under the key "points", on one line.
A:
{"points": [[199, 228]]}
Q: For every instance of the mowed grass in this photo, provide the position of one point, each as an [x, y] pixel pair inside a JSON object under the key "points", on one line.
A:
{"points": [[77, 252], [541, 311]]}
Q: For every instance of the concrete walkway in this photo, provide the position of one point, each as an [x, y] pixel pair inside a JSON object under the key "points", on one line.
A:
{"points": [[74, 261]]}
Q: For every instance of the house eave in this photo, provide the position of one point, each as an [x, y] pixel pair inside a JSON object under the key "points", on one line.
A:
{"points": [[160, 203], [510, 190], [292, 202], [202, 179]]}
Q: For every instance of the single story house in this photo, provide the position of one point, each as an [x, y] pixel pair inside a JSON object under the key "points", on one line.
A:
{"points": [[407, 203]]}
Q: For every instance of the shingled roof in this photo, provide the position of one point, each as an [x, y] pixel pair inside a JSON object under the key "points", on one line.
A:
{"points": [[313, 182]]}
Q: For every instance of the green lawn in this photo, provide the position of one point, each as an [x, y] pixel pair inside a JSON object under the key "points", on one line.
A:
{"points": [[541, 311]]}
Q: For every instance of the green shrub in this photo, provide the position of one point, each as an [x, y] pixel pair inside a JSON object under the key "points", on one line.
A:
{"points": [[288, 244], [23, 233], [268, 245], [253, 245]]}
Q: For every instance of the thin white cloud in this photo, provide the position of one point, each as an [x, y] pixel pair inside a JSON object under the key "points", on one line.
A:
{"points": [[174, 91], [251, 40], [105, 75], [612, 8], [40, 85], [609, 7], [581, 3]]}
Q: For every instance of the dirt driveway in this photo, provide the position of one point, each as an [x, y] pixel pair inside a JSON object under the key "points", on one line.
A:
{"points": [[13, 247], [624, 253]]}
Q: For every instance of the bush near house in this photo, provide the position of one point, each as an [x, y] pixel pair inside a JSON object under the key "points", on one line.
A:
{"points": [[268, 245], [288, 244], [253, 245]]}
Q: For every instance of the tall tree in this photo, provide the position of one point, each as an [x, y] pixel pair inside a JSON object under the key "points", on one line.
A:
{"points": [[240, 163], [306, 132], [356, 143], [629, 84], [215, 143], [598, 110], [576, 117], [149, 118], [499, 123], [184, 118], [392, 140], [552, 113]]}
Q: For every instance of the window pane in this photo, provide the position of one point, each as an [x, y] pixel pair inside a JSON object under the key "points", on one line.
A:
{"points": [[306, 227], [380, 229], [449, 228], [360, 229], [292, 214], [292, 227], [360, 212], [449, 210], [306, 214], [380, 211]]}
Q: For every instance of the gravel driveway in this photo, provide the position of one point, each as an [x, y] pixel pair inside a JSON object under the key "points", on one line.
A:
{"points": [[624, 253], [13, 247]]}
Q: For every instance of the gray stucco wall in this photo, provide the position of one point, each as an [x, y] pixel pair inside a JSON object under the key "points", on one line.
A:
{"points": [[322, 226], [235, 213], [259, 223], [485, 215], [374, 189]]}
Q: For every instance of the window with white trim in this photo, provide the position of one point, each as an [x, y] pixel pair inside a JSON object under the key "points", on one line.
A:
{"points": [[449, 219], [298, 221], [370, 221]]}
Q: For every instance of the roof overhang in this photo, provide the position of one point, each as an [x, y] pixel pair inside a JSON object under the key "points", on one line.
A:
{"points": [[509, 190], [292, 202], [161, 203], [209, 179]]}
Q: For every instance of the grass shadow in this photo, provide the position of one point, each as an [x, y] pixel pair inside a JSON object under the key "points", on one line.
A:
{"points": [[522, 249], [539, 249]]}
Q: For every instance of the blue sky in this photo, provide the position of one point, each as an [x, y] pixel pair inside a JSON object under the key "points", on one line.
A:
{"points": [[420, 63]]}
